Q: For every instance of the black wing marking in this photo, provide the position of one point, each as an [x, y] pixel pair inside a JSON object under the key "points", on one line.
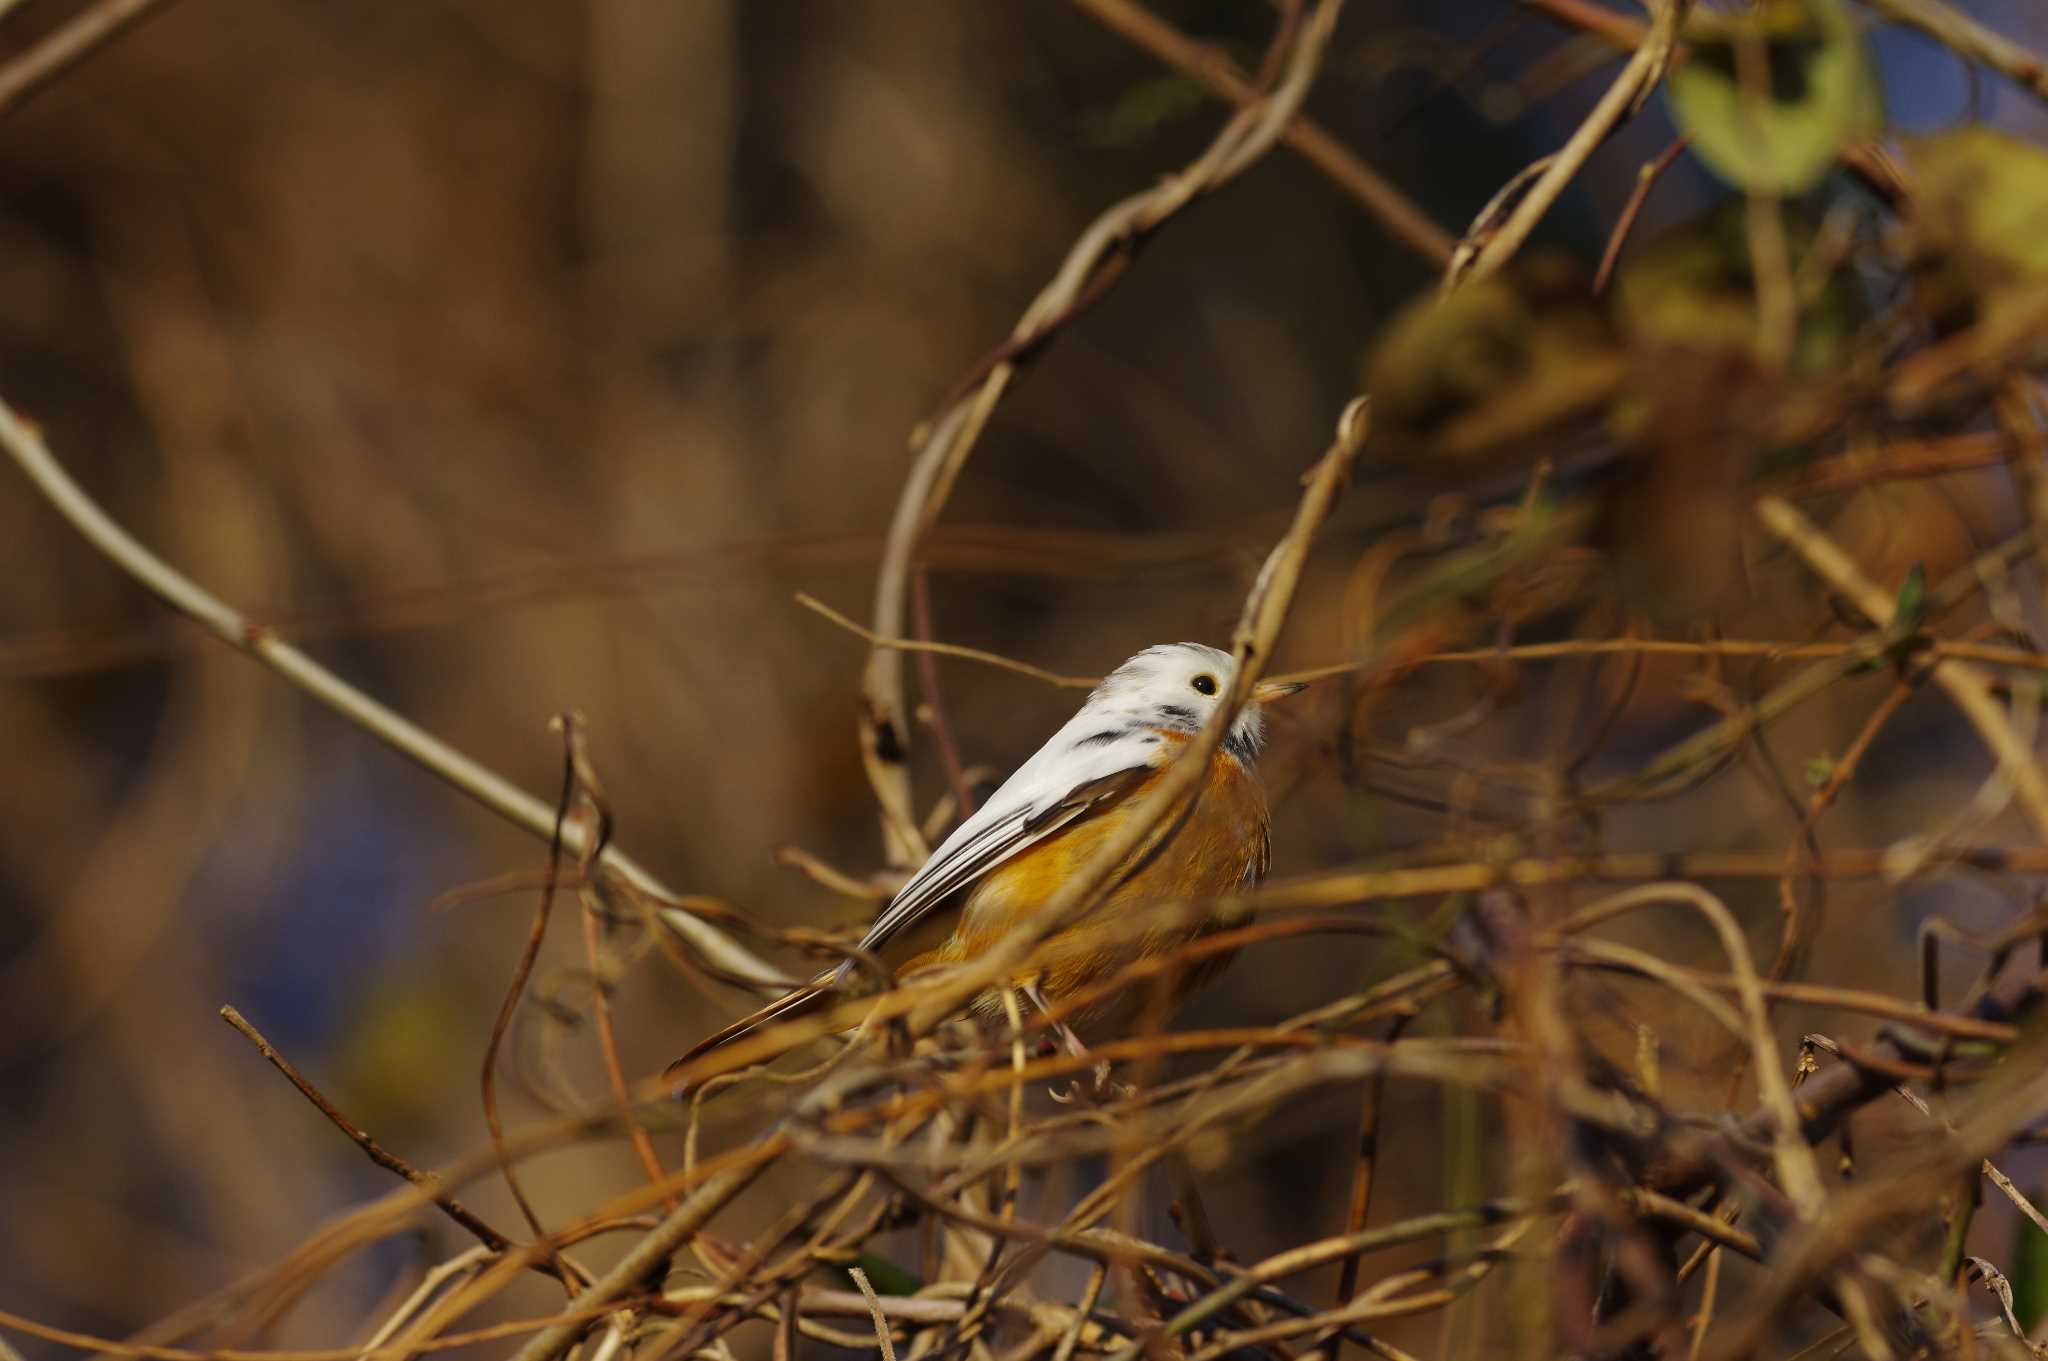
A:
{"points": [[788, 1007]]}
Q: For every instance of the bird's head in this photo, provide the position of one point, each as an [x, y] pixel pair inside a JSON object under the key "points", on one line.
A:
{"points": [[1176, 685]]}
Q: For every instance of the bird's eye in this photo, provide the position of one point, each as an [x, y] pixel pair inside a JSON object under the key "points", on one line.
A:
{"points": [[1204, 684]]}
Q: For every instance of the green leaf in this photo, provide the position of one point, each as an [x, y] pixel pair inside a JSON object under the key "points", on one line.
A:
{"points": [[885, 1276], [1473, 379], [1819, 770], [2029, 1273], [1912, 601], [1821, 92], [1141, 111], [1693, 287], [1904, 630], [1974, 221]]}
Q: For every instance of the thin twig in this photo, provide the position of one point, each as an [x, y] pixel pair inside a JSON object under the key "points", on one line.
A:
{"points": [[1797, 1171], [928, 680], [34, 69], [1338, 887], [1717, 649], [1898, 460], [1097, 1277], [1987, 1167], [24, 444], [1705, 1317], [1404, 221], [1645, 66], [1362, 1176], [1295, 1260], [1646, 179], [508, 1007], [1694, 757], [428, 1287], [1620, 29], [860, 1278], [972, 654], [378, 1154], [569, 724], [1965, 684], [1970, 40], [389, 1351], [646, 1256], [1799, 923]]}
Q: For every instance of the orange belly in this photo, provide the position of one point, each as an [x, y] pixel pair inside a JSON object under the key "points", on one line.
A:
{"points": [[1218, 848]]}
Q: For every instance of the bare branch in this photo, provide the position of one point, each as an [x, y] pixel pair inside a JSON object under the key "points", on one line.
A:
{"points": [[23, 443], [1397, 213], [85, 34]]}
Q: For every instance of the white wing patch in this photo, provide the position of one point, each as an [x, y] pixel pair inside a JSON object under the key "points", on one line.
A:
{"points": [[1089, 759]]}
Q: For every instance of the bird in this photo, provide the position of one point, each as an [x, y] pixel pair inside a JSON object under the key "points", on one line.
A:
{"points": [[1003, 863]]}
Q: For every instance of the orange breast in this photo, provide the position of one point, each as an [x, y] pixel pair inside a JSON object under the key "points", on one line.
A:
{"points": [[1218, 848]]}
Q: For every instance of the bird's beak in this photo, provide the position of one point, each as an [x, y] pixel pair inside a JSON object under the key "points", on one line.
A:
{"points": [[1265, 692]]}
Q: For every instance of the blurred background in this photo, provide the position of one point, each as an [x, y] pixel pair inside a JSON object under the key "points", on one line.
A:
{"points": [[520, 358]]}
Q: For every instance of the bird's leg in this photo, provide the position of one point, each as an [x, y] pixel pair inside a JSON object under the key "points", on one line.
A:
{"points": [[1103, 1087]]}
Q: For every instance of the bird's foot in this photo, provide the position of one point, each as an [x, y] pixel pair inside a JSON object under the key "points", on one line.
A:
{"points": [[1100, 1090]]}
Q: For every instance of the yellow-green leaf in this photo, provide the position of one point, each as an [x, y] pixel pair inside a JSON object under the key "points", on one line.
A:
{"points": [[1975, 219], [1693, 287], [1475, 378], [1779, 129]]}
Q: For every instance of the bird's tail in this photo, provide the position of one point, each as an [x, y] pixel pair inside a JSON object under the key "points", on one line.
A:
{"points": [[789, 1007]]}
